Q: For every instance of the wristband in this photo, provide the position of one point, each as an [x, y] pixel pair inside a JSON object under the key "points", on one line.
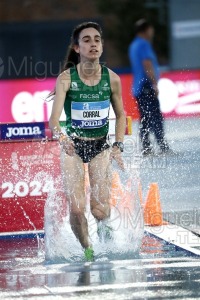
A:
{"points": [[120, 145]]}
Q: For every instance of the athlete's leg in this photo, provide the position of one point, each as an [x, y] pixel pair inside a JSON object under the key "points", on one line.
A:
{"points": [[100, 183], [145, 115], [74, 184], [157, 122]]}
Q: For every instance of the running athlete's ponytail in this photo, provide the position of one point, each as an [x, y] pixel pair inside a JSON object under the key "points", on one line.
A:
{"points": [[72, 57]]}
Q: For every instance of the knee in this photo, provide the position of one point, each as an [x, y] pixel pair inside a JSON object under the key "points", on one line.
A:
{"points": [[76, 211], [101, 212]]}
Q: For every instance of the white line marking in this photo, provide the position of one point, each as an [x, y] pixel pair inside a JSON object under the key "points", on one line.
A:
{"points": [[177, 236], [22, 232], [71, 289]]}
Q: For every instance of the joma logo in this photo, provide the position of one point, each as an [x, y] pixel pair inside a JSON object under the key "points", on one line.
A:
{"points": [[20, 131]]}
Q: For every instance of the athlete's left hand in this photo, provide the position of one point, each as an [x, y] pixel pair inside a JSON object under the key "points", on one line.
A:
{"points": [[117, 156]]}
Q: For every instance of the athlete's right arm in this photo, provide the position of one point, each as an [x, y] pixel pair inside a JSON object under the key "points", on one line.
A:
{"points": [[62, 87]]}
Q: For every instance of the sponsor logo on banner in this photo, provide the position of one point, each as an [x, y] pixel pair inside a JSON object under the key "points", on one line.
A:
{"points": [[179, 95], [22, 131], [31, 170]]}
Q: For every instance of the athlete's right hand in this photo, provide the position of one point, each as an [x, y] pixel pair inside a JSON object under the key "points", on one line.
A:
{"points": [[67, 145]]}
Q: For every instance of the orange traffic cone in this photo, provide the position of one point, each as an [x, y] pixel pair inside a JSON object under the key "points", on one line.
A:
{"points": [[152, 209], [116, 191], [140, 193], [128, 125]]}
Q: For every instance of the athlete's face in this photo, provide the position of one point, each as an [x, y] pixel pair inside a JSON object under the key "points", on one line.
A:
{"points": [[90, 44]]}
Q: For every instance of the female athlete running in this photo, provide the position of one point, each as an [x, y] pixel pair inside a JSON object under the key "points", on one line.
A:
{"points": [[85, 89]]}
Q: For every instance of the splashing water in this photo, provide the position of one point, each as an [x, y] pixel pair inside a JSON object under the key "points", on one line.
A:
{"points": [[126, 221]]}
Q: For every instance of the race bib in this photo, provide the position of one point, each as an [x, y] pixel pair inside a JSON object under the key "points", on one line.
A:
{"points": [[88, 115]]}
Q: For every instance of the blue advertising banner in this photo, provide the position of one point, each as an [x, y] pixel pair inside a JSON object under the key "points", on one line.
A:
{"points": [[18, 131]]}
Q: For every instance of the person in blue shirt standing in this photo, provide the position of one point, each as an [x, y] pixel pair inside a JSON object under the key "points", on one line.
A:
{"points": [[146, 74]]}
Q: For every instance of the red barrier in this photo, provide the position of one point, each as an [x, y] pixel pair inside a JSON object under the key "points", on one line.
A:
{"points": [[28, 171], [130, 105], [179, 94], [22, 100]]}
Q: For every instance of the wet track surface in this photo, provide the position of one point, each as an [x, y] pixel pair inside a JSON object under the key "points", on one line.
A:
{"points": [[177, 175], [159, 271]]}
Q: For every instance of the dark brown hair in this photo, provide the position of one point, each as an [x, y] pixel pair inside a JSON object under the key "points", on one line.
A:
{"points": [[142, 25], [72, 57]]}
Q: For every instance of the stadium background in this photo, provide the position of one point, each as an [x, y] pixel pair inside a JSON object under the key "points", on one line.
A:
{"points": [[33, 39]]}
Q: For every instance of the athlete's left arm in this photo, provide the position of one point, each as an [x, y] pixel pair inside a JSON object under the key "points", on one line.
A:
{"points": [[117, 104]]}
